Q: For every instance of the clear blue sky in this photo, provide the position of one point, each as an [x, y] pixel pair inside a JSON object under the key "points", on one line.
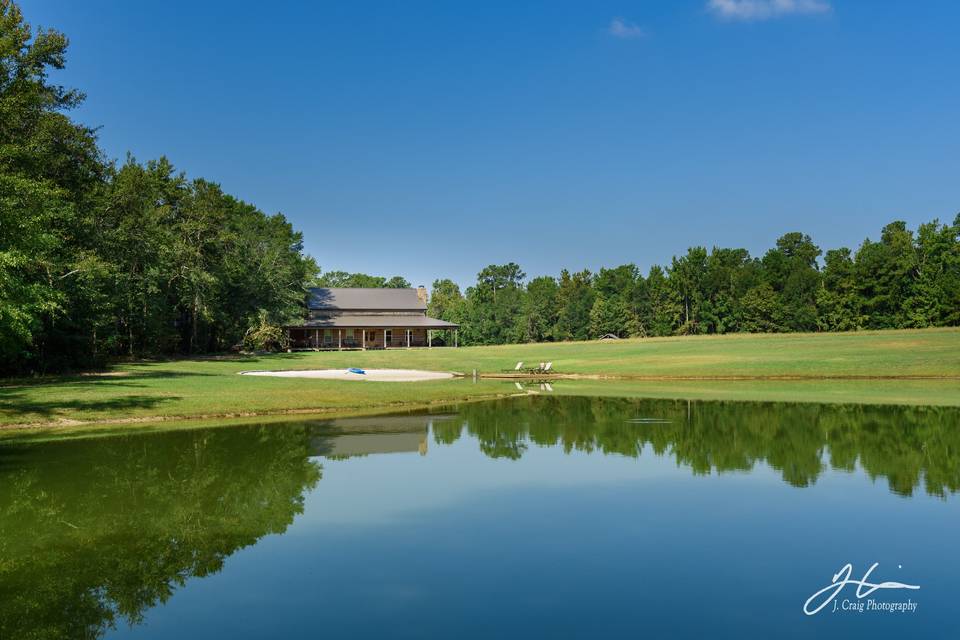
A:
{"points": [[430, 139]]}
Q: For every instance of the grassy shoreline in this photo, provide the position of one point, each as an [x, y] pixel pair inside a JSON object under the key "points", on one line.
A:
{"points": [[895, 367]]}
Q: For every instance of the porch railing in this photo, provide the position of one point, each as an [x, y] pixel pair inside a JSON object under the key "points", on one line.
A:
{"points": [[326, 344]]}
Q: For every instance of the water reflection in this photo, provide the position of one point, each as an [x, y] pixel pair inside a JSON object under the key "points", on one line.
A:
{"points": [[908, 446], [351, 437], [95, 532]]}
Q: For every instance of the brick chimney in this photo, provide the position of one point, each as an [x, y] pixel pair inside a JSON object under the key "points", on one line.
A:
{"points": [[422, 294]]}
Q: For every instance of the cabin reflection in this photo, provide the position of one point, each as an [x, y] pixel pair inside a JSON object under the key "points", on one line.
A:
{"points": [[363, 436]]}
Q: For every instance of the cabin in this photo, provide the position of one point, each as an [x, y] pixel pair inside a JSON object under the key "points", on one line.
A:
{"points": [[355, 318]]}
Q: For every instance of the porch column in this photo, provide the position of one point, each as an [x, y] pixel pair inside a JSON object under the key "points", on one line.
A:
{"points": [[339, 339], [316, 338], [363, 339], [456, 332], [409, 331], [384, 339], [429, 339]]}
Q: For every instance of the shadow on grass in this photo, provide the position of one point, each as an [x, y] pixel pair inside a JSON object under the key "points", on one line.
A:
{"points": [[20, 408], [145, 370], [114, 378]]}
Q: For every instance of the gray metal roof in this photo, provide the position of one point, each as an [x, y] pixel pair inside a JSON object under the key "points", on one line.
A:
{"points": [[378, 321], [364, 299]]}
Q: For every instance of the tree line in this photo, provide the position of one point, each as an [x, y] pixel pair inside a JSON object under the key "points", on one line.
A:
{"points": [[99, 259], [906, 279]]}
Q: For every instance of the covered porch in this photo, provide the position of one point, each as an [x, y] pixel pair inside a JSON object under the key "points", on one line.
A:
{"points": [[317, 338]]}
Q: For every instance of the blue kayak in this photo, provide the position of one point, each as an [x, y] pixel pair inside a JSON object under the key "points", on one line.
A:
{"points": [[355, 370]]}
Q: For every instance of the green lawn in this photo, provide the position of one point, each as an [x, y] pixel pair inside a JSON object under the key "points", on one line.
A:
{"points": [[927, 352], [210, 387]]}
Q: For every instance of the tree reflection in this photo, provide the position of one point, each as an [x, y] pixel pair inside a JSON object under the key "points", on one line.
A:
{"points": [[95, 532], [908, 446]]}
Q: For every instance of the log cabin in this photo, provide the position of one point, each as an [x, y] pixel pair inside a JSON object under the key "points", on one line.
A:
{"points": [[359, 318]]}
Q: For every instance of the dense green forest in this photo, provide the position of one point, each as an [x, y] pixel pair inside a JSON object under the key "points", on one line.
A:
{"points": [[905, 280], [100, 259]]}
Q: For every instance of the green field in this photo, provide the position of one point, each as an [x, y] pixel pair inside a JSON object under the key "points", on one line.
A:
{"points": [[790, 367], [871, 354]]}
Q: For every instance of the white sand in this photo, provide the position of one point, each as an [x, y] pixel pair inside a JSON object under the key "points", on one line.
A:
{"points": [[372, 375]]}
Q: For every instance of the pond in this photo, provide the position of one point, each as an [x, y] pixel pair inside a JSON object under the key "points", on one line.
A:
{"points": [[535, 516]]}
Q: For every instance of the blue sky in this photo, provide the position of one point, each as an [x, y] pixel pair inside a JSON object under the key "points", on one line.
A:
{"points": [[430, 139]]}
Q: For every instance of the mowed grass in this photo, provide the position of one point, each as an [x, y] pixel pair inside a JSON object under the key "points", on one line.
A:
{"points": [[211, 388], [887, 392], [907, 353]]}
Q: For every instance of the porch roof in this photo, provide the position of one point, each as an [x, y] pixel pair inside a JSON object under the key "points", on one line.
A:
{"points": [[377, 321]]}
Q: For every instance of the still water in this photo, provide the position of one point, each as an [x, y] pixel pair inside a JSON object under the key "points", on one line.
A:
{"points": [[542, 516]]}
